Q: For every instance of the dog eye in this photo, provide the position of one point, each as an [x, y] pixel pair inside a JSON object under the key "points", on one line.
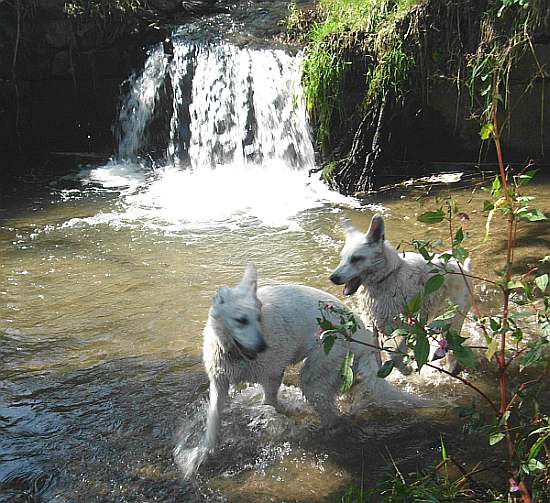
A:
{"points": [[355, 259], [242, 321]]}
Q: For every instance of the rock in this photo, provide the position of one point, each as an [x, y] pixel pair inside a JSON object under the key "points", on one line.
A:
{"points": [[51, 5], [61, 63], [166, 6], [59, 33]]}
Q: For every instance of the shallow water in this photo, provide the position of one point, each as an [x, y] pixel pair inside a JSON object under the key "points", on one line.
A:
{"points": [[101, 320], [107, 275]]}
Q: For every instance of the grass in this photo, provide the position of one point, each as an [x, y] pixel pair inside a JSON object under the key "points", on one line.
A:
{"points": [[349, 27]]}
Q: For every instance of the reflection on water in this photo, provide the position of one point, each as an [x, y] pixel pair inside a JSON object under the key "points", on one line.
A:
{"points": [[106, 279], [100, 327]]}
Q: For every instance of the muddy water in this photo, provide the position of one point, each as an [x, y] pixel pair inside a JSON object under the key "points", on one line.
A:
{"points": [[101, 313]]}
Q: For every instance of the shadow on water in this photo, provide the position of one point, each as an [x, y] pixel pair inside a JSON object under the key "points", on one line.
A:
{"points": [[106, 433], [99, 434]]}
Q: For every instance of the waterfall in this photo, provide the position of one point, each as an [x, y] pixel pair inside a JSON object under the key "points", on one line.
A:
{"points": [[227, 129], [139, 104], [226, 106]]}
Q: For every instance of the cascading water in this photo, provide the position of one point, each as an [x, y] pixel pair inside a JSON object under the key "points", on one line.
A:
{"points": [[231, 125]]}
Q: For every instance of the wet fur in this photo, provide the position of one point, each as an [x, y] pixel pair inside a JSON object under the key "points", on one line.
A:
{"points": [[289, 328], [391, 279]]}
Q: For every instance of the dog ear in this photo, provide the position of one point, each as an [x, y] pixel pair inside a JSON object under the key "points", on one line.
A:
{"points": [[250, 279], [376, 229], [220, 296], [348, 227]]}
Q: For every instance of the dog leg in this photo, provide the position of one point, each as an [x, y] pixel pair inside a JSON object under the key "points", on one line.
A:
{"points": [[271, 389], [218, 397], [320, 382], [397, 357]]}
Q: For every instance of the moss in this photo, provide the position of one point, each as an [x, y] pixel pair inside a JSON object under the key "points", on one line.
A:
{"points": [[398, 50], [327, 174], [343, 28]]}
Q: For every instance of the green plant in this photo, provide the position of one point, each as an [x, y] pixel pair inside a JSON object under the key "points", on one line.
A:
{"points": [[352, 27], [514, 417]]}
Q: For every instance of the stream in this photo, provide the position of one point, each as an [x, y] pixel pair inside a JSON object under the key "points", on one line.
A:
{"points": [[108, 272]]}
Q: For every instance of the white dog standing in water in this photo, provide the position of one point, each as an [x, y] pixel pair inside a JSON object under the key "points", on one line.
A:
{"points": [[254, 335], [390, 280]]}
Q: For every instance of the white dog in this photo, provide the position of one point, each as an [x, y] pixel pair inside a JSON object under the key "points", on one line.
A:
{"points": [[254, 335], [391, 280]]}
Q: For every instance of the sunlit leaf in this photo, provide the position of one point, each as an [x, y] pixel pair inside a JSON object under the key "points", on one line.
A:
{"points": [[492, 348], [511, 285], [542, 282], [346, 372], [432, 217], [531, 215], [526, 177], [421, 348], [495, 438], [486, 129]]}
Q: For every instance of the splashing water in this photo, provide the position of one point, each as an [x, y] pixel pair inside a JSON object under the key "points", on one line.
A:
{"points": [[238, 147]]}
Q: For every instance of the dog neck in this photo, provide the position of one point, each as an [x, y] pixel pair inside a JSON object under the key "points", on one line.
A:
{"points": [[223, 341], [391, 261]]}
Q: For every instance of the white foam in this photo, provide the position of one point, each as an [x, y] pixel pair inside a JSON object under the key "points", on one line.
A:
{"points": [[173, 199]]}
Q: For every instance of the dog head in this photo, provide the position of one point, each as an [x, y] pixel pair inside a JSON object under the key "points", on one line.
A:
{"points": [[362, 255], [239, 310]]}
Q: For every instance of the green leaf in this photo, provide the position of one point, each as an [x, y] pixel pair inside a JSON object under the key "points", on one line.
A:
{"points": [[536, 447], [511, 285], [534, 354], [495, 438], [460, 254], [400, 332], [325, 324], [328, 342], [526, 177], [488, 205], [433, 284], [415, 304], [346, 372], [534, 465], [486, 129], [459, 237], [495, 188], [432, 217], [495, 324], [421, 348], [385, 370], [542, 282], [465, 356], [444, 455], [492, 348], [531, 215]]}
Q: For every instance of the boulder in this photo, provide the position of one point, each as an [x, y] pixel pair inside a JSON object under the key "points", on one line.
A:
{"points": [[59, 33]]}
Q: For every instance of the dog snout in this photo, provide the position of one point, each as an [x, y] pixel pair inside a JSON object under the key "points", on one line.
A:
{"points": [[336, 278], [262, 346]]}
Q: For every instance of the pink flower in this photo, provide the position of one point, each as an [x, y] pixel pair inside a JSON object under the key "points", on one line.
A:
{"points": [[441, 350], [320, 333], [514, 488], [462, 217]]}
